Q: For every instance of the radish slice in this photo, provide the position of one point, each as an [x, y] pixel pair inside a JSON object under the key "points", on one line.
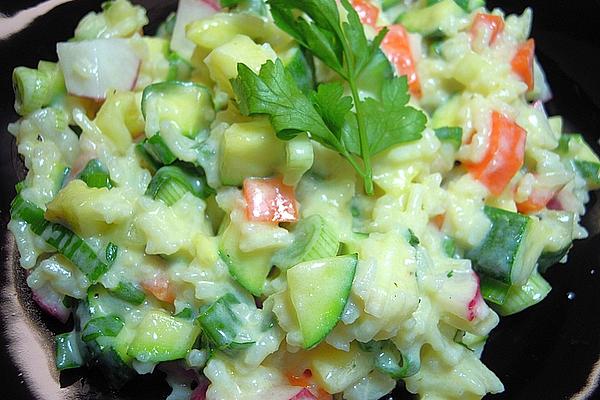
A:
{"points": [[51, 302], [93, 67], [460, 295], [200, 392], [189, 11], [304, 394], [474, 308]]}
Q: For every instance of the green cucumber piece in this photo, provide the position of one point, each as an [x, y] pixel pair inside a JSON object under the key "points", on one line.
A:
{"points": [[299, 157], [300, 67], [503, 258], [172, 182], [548, 259], [432, 19], [447, 114], [387, 4], [221, 326], [179, 68], [59, 175], [470, 5], [128, 292], [452, 135], [107, 360], [389, 360], [521, 297], [109, 325], [67, 243], [258, 7], [70, 352], [493, 290], [165, 29], [449, 247], [95, 175], [145, 159], [159, 150], [574, 146], [590, 171], [161, 337], [187, 104], [249, 149], [249, 269], [558, 225], [37, 88], [319, 291], [313, 239], [186, 313]]}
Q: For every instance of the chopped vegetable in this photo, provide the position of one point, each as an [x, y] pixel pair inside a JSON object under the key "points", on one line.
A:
{"points": [[504, 154], [62, 239], [95, 175], [522, 62], [487, 26], [270, 200], [319, 291]]}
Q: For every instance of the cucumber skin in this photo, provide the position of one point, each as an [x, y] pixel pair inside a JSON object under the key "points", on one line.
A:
{"points": [[157, 329], [250, 271], [590, 171], [168, 87], [496, 256], [547, 260], [314, 239], [329, 314]]}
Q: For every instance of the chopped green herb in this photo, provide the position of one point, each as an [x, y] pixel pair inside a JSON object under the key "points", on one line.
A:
{"points": [[327, 115]]}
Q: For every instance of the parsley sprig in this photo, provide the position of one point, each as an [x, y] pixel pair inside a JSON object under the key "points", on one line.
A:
{"points": [[358, 128]]}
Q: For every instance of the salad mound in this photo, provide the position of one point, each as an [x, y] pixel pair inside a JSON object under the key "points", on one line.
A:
{"points": [[294, 200]]}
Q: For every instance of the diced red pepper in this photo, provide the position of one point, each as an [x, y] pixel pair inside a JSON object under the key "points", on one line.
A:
{"points": [[367, 12], [522, 62], [396, 46], [160, 288], [484, 23], [438, 220], [269, 200], [504, 154]]}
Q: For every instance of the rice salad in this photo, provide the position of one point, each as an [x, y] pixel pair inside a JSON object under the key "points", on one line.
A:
{"points": [[294, 200]]}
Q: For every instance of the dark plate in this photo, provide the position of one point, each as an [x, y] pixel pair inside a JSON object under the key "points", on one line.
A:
{"points": [[548, 352]]}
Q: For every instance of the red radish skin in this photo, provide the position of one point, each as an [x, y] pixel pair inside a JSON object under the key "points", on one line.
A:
{"points": [[187, 12], [214, 4], [555, 204], [94, 67], [200, 392], [53, 307], [536, 201], [304, 394], [476, 302]]}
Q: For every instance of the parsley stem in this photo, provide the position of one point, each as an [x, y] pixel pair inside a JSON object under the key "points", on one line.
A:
{"points": [[352, 161], [364, 141], [362, 129]]}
